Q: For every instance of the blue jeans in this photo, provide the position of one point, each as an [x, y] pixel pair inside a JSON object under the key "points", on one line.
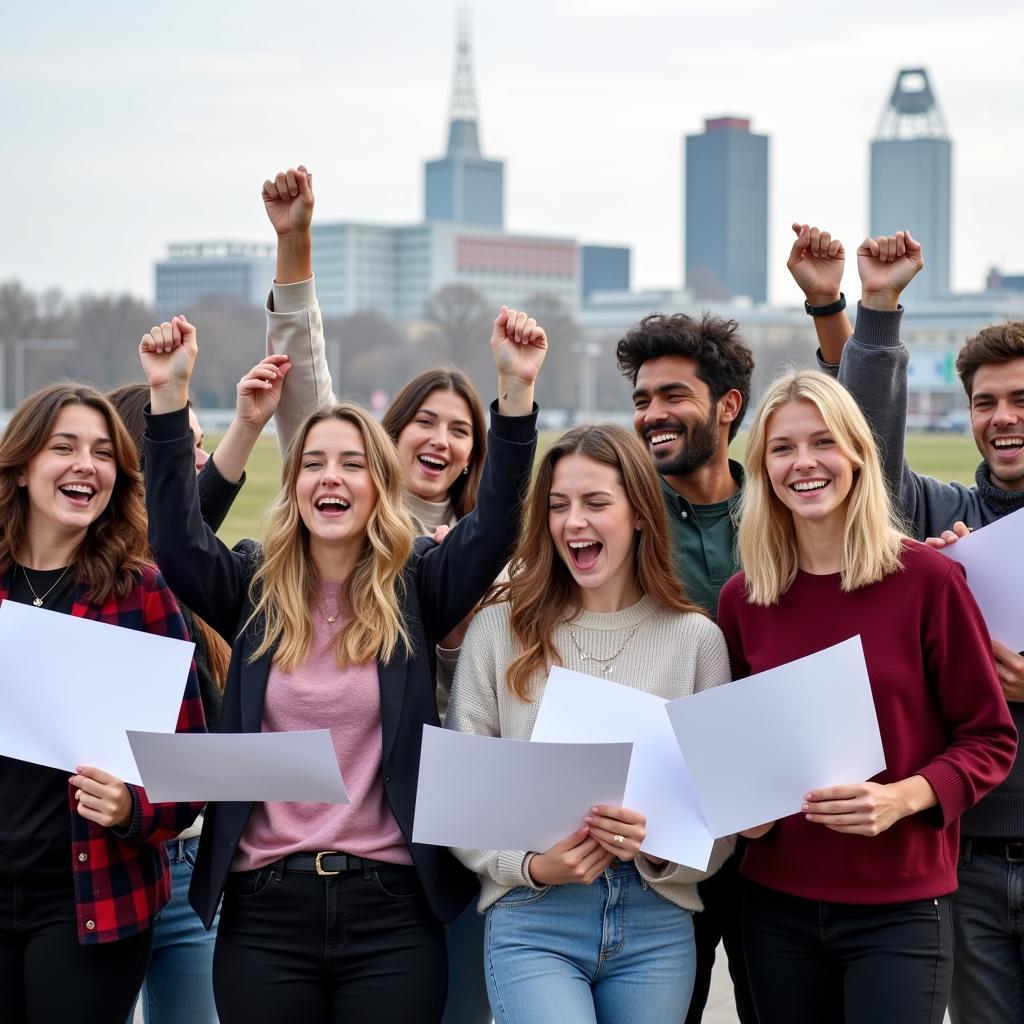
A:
{"points": [[603, 953], [179, 983], [988, 922]]}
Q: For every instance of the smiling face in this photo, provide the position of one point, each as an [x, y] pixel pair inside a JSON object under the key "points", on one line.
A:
{"points": [[435, 446], [71, 478], [593, 528], [997, 421], [674, 415], [334, 490], [808, 472]]}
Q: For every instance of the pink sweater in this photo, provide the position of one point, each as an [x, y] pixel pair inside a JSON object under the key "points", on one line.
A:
{"points": [[320, 695]]}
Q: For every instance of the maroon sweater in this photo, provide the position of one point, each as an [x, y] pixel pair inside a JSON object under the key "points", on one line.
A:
{"points": [[941, 714]]}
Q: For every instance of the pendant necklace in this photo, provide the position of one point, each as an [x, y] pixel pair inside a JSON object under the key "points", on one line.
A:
{"points": [[36, 599], [607, 665]]}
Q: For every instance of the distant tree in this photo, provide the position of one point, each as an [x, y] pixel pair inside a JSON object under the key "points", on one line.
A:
{"points": [[108, 328], [461, 319], [558, 387]]}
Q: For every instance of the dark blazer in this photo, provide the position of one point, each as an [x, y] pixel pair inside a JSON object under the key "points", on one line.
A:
{"points": [[443, 584]]}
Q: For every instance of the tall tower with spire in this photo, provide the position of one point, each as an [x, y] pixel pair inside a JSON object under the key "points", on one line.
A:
{"points": [[462, 185], [911, 176]]}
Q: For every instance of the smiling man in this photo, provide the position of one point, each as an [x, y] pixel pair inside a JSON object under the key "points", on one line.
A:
{"points": [[691, 387], [691, 380]]}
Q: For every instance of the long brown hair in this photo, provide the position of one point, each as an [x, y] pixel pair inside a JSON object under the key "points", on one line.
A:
{"points": [[114, 548], [541, 590], [130, 401], [285, 586], [406, 404]]}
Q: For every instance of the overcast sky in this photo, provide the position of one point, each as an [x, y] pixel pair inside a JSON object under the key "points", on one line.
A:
{"points": [[130, 125]]}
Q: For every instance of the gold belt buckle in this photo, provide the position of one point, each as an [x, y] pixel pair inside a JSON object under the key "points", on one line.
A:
{"points": [[323, 872]]}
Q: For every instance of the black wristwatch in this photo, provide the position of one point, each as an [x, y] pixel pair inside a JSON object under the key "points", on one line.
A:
{"points": [[832, 308]]}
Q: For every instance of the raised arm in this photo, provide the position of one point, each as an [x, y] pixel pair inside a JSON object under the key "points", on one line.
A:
{"points": [[816, 262], [455, 575], [874, 365], [209, 578], [294, 326]]}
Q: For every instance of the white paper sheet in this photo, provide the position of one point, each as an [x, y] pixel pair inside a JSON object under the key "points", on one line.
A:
{"points": [[299, 766], [485, 793], [756, 747], [994, 559], [70, 687], [578, 708]]}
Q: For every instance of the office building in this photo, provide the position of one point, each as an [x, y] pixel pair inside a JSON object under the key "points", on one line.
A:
{"points": [[726, 211], [604, 268], [911, 179], [198, 271]]}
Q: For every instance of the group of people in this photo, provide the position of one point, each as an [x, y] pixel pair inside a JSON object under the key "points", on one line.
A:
{"points": [[423, 569]]}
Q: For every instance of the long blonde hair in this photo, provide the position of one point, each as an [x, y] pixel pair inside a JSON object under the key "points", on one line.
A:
{"points": [[767, 539], [285, 587], [541, 588]]}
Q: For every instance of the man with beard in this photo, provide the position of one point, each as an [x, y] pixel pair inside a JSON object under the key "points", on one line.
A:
{"points": [[988, 906]]}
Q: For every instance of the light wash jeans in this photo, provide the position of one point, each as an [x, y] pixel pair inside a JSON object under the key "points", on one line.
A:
{"points": [[179, 983], [988, 923], [605, 953]]}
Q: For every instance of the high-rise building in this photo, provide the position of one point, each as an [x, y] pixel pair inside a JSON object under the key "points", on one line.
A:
{"points": [[604, 268], [726, 211], [463, 185], [911, 174]]}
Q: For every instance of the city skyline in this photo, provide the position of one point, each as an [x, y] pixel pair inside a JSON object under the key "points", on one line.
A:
{"points": [[132, 144]]}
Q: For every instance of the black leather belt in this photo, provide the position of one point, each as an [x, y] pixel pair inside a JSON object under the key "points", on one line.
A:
{"points": [[1011, 850], [329, 862]]}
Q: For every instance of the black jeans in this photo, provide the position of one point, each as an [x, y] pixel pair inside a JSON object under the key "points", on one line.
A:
{"points": [[719, 921], [47, 976], [842, 963], [359, 946]]}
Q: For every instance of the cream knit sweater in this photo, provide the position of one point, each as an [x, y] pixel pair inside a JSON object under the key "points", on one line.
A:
{"points": [[670, 654]]}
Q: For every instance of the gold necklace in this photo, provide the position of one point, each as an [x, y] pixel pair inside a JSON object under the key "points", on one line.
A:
{"points": [[332, 619], [607, 664], [36, 599]]}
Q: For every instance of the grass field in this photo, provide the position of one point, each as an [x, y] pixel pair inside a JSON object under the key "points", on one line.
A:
{"points": [[946, 456]]}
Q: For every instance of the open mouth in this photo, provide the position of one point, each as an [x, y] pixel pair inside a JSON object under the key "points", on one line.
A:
{"points": [[662, 437], [78, 494], [809, 487], [584, 553], [1010, 445], [433, 464], [331, 505]]}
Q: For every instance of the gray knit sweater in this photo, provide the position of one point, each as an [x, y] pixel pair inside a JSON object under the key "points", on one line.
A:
{"points": [[671, 655]]}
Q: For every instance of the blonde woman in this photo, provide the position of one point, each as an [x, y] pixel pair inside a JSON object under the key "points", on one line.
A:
{"points": [[847, 916], [330, 913], [594, 929]]}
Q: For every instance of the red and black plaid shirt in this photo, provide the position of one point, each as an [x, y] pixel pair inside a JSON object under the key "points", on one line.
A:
{"points": [[121, 878]]}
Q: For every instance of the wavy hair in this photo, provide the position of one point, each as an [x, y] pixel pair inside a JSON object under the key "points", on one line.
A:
{"points": [[407, 403], [872, 539], [285, 586], [541, 588], [114, 549]]}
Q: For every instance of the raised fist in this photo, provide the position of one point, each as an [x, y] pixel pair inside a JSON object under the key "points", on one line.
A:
{"points": [[288, 199]]}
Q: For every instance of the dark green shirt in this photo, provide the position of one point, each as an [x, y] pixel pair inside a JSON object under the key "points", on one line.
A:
{"points": [[703, 539]]}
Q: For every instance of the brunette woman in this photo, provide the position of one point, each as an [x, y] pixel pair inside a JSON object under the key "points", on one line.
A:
{"points": [[847, 916], [594, 928], [330, 912], [82, 861]]}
